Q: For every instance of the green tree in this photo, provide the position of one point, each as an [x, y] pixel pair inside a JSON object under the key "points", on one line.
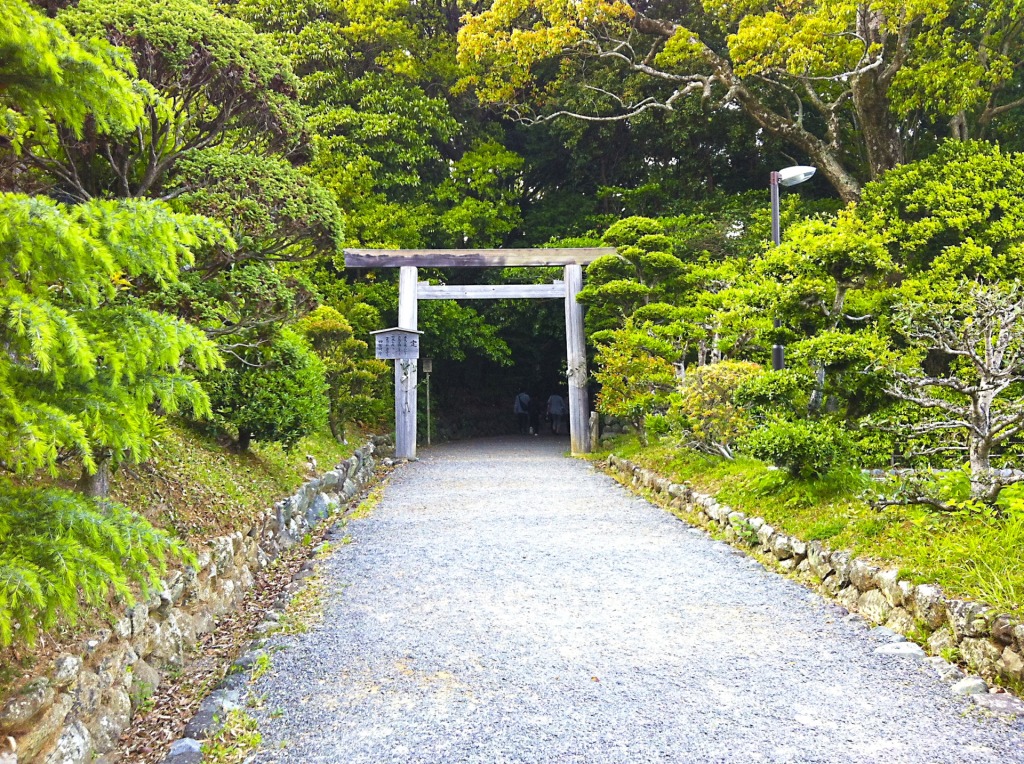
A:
{"points": [[203, 79], [974, 398], [373, 82], [956, 214], [636, 375], [483, 189], [357, 383], [278, 216], [276, 392], [834, 80], [84, 363], [61, 553], [274, 211], [49, 78], [642, 272]]}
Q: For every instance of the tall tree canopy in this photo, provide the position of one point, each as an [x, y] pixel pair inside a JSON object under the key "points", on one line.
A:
{"points": [[847, 84], [204, 79]]}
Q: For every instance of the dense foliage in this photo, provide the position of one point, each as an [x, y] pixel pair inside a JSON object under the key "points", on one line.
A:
{"points": [[179, 178], [276, 393], [903, 320]]}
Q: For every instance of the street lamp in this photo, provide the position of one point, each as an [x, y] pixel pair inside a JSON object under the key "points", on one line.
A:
{"points": [[427, 366], [788, 176]]}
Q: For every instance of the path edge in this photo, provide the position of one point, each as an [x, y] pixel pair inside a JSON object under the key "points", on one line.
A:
{"points": [[989, 642], [77, 708]]}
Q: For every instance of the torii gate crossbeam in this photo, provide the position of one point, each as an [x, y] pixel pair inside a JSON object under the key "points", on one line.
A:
{"points": [[410, 291]]}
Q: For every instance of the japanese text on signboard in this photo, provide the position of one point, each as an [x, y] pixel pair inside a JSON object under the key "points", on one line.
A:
{"points": [[397, 345]]}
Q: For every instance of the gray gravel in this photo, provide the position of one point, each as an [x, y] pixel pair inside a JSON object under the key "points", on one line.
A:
{"points": [[504, 603]]}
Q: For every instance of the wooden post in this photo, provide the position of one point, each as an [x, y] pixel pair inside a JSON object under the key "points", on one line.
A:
{"points": [[405, 370], [576, 357]]}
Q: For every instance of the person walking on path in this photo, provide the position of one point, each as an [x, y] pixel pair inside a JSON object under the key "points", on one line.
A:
{"points": [[556, 413], [521, 408]]}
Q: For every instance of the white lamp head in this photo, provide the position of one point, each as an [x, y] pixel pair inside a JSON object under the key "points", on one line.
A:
{"points": [[790, 176]]}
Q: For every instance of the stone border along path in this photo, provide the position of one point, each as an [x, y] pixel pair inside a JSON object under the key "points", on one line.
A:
{"points": [[504, 603], [989, 642]]}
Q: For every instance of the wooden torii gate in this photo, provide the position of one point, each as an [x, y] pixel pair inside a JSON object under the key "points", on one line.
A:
{"points": [[410, 291]]}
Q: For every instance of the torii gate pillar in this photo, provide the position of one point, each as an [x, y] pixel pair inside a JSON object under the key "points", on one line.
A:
{"points": [[576, 361], [406, 370]]}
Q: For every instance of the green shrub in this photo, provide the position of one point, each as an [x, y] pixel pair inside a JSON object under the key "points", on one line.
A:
{"points": [[803, 448], [276, 393], [825, 529], [357, 383], [61, 552], [787, 390], [636, 376], [705, 407]]}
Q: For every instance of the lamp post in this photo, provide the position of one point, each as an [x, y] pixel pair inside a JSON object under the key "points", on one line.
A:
{"points": [[788, 176], [427, 366]]}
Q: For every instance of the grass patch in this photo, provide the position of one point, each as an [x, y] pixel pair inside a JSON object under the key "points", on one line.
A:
{"points": [[974, 556], [367, 505], [260, 667], [306, 608], [198, 485], [233, 743]]}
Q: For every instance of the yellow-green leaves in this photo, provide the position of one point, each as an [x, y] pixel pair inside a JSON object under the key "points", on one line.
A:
{"points": [[959, 212], [705, 405], [501, 46], [682, 51], [814, 42]]}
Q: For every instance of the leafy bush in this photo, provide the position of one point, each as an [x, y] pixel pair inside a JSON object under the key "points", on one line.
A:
{"points": [[277, 393], [705, 407], [357, 382], [786, 390], [803, 448], [636, 376], [61, 552]]}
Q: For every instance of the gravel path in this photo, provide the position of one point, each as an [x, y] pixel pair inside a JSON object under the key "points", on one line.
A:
{"points": [[506, 604]]}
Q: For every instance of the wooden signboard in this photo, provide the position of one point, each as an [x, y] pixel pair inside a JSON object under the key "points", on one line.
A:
{"points": [[397, 344]]}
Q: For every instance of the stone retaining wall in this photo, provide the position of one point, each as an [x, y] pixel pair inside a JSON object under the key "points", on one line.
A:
{"points": [[990, 643], [77, 709]]}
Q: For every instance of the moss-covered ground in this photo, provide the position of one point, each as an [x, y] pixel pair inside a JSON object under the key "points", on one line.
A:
{"points": [[974, 556]]}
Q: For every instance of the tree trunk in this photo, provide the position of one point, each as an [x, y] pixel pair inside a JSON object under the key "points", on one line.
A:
{"points": [[984, 486], [958, 127], [641, 429], [818, 393], [97, 484], [877, 127], [838, 306], [337, 426], [823, 155], [244, 439]]}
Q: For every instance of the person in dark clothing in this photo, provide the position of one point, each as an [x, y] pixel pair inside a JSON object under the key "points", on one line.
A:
{"points": [[556, 413], [521, 408]]}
